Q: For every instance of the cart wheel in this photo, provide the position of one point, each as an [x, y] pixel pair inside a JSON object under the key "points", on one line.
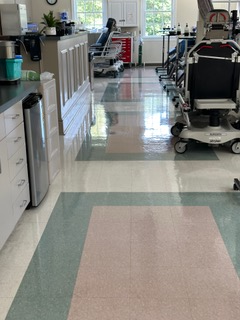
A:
{"points": [[235, 187], [176, 129], [235, 147], [173, 99], [177, 105], [180, 147]]}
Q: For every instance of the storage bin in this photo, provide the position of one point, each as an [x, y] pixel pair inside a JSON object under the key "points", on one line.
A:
{"points": [[13, 68]]}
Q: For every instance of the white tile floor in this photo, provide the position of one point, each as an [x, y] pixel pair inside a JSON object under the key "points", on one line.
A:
{"points": [[134, 176]]}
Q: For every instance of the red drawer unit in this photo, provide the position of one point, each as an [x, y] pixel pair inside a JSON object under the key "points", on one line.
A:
{"points": [[127, 48]]}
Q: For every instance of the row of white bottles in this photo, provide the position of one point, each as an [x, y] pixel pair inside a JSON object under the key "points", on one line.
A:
{"points": [[179, 30]]}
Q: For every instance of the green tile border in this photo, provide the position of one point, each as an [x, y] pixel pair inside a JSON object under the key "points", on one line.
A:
{"points": [[46, 290]]}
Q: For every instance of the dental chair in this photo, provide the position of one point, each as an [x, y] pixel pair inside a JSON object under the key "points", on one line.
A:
{"points": [[212, 91], [107, 53], [210, 100]]}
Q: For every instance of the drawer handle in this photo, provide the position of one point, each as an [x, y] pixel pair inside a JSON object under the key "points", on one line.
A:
{"points": [[17, 139], [21, 183], [15, 116], [23, 204], [20, 161]]}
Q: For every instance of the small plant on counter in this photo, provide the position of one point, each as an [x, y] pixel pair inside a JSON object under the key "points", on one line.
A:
{"points": [[50, 23]]}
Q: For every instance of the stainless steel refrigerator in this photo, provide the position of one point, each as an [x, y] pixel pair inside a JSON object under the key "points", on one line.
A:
{"points": [[36, 148]]}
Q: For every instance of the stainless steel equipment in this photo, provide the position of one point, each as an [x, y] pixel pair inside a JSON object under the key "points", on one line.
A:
{"points": [[36, 148], [7, 49], [10, 64], [13, 19]]}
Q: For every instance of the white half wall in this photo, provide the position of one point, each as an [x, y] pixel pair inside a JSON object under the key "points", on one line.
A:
{"points": [[153, 50]]}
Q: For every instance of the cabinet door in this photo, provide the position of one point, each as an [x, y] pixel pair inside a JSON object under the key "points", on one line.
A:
{"points": [[131, 13], [116, 11], [5, 196], [125, 12]]}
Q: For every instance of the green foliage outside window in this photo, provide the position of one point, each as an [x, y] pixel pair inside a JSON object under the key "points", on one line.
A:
{"points": [[90, 13], [158, 14]]}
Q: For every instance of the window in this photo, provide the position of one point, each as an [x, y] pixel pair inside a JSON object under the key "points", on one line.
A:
{"points": [[228, 5], [90, 12], [157, 14]]}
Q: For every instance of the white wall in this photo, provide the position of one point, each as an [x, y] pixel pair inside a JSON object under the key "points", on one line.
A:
{"points": [[187, 12], [41, 6]]}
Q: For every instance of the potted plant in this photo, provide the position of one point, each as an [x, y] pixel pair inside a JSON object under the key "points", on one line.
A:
{"points": [[50, 23]]}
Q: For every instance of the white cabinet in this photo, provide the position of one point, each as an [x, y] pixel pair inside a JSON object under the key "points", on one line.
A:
{"points": [[125, 12], [5, 195], [14, 185], [17, 160], [67, 59], [48, 90]]}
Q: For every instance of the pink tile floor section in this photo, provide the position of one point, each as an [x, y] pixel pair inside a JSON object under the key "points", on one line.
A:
{"points": [[155, 263]]}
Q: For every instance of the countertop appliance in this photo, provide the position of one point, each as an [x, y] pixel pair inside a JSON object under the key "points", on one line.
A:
{"points": [[13, 19], [36, 148], [10, 63]]}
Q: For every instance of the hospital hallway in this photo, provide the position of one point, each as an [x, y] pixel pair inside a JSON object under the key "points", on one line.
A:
{"points": [[129, 230]]}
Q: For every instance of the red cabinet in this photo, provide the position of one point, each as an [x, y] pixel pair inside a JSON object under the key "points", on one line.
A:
{"points": [[127, 47]]}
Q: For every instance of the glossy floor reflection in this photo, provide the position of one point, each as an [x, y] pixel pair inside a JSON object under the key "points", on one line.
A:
{"points": [[128, 230]]}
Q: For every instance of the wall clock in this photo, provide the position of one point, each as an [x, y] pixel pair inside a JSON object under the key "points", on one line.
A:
{"points": [[51, 2]]}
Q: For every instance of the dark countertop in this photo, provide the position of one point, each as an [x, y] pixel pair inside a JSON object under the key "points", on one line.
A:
{"points": [[75, 35], [11, 94]]}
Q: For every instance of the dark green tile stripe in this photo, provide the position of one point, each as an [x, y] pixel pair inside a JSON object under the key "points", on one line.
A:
{"points": [[46, 290]]}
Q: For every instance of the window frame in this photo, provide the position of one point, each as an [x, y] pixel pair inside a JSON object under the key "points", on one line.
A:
{"points": [[143, 15], [229, 2], [104, 11]]}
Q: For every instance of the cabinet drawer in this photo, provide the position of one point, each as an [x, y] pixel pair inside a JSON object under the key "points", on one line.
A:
{"points": [[13, 117], [15, 140], [21, 203], [2, 127], [51, 121], [17, 162], [53, 145], [19, 183]]}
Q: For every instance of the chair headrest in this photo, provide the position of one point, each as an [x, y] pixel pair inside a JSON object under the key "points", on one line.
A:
{"points": [[217, 16]]}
